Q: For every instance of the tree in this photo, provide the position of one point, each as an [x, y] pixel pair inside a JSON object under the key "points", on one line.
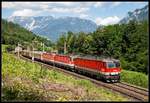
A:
{"points": [[60, 43]]}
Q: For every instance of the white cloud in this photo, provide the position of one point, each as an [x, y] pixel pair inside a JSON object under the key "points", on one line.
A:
{"points": [[107, 20], [65, 3], [68, 10], [80, 10], [25, 12], [107, 4], [116, 3], [44, 6], [25, 5], [83, 15], [98, 4], [75, 8], [7, 5], [58, 7], [29, 5]]}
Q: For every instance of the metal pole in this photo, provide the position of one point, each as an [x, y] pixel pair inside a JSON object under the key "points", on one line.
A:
{"points": [[65, 47], [32, 53], [41, 52], [41, 56], [43, 47], [18, 50]]}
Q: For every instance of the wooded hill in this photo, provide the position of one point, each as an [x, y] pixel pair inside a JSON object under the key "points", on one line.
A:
{"points": [[13, 34]]}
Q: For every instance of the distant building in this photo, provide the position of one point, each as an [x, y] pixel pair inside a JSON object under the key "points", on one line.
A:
{"points": [[54, 51], [18, 49]]}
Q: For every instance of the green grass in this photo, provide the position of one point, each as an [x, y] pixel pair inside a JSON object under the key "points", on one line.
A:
{"points": [[4, 48], [26, 81], [135, 78]]}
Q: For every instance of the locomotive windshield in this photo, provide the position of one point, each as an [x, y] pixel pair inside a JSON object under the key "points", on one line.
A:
{"points": [[117, 64], [111, 65]]}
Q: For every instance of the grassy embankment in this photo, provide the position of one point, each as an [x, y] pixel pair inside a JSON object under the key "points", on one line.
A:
{"points": [[135, 78], [23, 80]]}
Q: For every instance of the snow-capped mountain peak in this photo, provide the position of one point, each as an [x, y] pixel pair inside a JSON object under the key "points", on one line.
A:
{"points": [[138, 15]]}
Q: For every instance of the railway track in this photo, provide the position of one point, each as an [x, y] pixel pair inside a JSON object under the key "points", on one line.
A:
{"points": [[133, 92], [132, 88], [130, 91]]}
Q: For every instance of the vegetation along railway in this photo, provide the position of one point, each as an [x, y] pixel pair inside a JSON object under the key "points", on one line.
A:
{"points": [[107, 70]]}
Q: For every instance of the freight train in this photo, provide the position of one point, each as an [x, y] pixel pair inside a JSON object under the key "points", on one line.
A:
{"points": [[106, 69]]}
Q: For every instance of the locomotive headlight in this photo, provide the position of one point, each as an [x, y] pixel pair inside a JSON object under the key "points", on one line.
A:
{"points": [[116, 72], [113, 73], [107, 73], [72, 65]]}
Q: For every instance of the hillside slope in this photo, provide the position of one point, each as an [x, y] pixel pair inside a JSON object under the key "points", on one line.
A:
{"points": [[13, 34]]}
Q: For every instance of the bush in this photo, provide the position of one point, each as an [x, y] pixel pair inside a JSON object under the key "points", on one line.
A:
{"points": [[10, 48], [134, 78], [19, 92]]}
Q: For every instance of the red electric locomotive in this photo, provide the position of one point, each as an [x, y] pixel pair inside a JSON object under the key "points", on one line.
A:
{"points": [[107, 69], [48, 57], [64, 60]]}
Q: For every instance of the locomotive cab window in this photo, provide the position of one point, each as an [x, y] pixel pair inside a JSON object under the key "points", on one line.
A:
{"points": [[117, 64], [111, 65]]}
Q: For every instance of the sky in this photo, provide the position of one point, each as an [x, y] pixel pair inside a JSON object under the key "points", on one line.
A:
{"points": [[102, 13]]}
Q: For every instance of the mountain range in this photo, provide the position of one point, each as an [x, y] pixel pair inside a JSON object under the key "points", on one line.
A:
{"points": [[52, 27], [138, 15]]}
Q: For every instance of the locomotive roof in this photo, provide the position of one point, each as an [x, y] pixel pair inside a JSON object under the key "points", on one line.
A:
{"points": [[38, 52], [90, 57], [70, 55], [104, 59]]}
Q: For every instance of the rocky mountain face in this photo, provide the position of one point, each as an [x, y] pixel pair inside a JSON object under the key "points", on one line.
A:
{"points": [[53, 27], [138, 15]]}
